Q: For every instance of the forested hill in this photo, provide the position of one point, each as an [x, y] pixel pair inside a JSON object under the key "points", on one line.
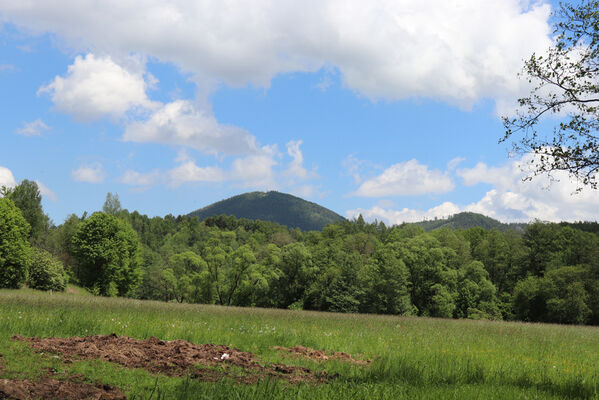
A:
{"points": [[466, 220], [282, 208]]}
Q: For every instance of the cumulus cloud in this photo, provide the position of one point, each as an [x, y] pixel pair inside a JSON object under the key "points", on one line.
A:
{"points": [[512, 198], [33, 128], [396, 217], [256, 170], [503, 177], [458, 51], [95, 87], [6, 177], [134, 178], [408, 178], [190, 172], [89, 173], [182, 123]]}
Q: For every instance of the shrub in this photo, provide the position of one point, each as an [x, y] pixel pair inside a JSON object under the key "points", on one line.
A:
{"points": [[46, 272]]}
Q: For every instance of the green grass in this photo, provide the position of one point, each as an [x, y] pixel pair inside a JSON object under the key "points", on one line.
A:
{"points": [[412, 357]]}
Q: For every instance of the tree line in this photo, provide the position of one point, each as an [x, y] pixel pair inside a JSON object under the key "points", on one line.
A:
{"points": [[547, 273]]}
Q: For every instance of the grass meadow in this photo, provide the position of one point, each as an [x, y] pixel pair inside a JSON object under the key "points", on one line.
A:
{"points": [[412, 357]]}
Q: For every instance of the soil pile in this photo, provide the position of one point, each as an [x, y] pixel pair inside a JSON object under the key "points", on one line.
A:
{"points": [[208, 362], [320, 355], [49, 388]]}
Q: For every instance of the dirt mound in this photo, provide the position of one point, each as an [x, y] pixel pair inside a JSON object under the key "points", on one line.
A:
{"points": [[321, 355], [208, 362], [49, 388]]}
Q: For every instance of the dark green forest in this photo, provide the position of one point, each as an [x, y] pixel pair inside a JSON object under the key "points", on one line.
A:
{"points": [[288, 210], [543, 272]]}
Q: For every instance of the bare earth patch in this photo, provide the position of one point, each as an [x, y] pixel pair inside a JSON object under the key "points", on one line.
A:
{"points": [[209, 362], [321, 355], [49, 388]]}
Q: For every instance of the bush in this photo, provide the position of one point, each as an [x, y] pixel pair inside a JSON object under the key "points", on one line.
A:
{"points": [[14, 246], [46, 272]]}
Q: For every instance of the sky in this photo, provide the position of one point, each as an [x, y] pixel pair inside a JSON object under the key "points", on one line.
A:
{"points": [[387, 108]]}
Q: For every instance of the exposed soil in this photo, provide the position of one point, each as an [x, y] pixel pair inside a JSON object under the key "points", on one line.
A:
{"points": [[207, 362], [50, 388], [321, 355]]}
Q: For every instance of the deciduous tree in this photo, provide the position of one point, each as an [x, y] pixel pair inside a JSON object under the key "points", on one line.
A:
{"points": [[14, 247], [566, 86], [108, 255]]}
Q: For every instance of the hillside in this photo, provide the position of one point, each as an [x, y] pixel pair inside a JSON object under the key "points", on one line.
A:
{"points": [[282, 208], [467, 220]]}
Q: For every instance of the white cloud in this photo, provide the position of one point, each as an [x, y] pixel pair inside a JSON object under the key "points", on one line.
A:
{"points": [[46, 191], [396, 217], [33, 128], [515, 199], [408, 178], [190, 172], [512, 199], [7, 67], [89, 173], [95, 87], [135, 178], [182, 123], [256, 170], [296, 166], [458, 51], [6, 177], [503, 177], [453, 163]]}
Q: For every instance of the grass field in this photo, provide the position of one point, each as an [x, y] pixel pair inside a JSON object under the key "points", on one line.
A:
{"points": [[412, 357]]}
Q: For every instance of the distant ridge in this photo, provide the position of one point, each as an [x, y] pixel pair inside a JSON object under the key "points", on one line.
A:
{"points": [[273, 206], [465, 220]]}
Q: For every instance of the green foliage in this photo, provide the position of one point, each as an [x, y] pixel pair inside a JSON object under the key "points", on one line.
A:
{"points": [[350, 266], [476, 294], [386, 284], [46, 272], [27, 198], [282, 208], [466, 220], [60, 243], [565, 86], [112, 204], [14, 247], [107, 252]]}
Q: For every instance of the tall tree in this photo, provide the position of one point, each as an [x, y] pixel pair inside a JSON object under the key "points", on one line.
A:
{"points": [[14, 247], [566, 87], [108, 255], [112, 204], [26, 195]]}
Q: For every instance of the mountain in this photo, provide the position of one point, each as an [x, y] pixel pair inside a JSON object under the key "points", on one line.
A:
{"points": [[283, 208], [465, 220]]}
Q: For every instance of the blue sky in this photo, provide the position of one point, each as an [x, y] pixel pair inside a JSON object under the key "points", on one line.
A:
{"points": [[386, 108]]}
